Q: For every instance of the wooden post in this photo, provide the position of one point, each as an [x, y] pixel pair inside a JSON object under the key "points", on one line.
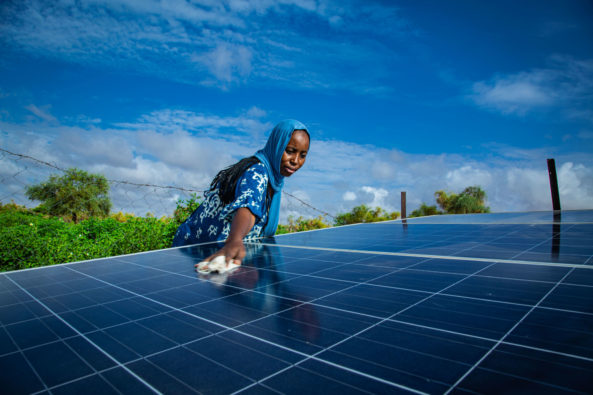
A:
{"points": [[403, 212], [554, 185]]}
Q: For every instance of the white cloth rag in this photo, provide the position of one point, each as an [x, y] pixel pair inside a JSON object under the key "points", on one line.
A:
{"points": [[216, 265]]}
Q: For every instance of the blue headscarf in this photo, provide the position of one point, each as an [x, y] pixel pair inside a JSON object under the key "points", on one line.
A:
{"points": [[271, 156]]}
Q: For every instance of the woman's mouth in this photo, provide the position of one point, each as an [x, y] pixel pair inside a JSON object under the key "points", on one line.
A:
{"points": [[289, 170]]}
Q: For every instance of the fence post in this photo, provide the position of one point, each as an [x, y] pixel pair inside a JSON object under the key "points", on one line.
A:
{"points": [[554, 185]]}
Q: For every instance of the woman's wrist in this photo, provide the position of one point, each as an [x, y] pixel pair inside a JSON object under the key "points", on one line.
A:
{"points": [[236, 239]]}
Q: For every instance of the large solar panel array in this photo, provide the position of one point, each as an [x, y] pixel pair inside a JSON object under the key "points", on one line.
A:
{"points": [[491, 303]]}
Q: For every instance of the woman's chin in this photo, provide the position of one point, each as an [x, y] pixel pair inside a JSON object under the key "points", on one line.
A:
{"points": [[287, 173]]}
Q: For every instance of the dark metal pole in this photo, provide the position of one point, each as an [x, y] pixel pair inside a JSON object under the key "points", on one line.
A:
{"points": [[403, 205], [554, 184]]}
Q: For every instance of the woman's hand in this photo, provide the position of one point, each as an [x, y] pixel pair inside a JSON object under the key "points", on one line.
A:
{"points": [[240, 227], [233, 249]]}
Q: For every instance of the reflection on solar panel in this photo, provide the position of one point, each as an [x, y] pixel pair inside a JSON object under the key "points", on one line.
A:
{"points": [[489, 303]]}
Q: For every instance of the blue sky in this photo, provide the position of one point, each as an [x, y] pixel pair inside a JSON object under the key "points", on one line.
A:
{"points": [[398, 95]]}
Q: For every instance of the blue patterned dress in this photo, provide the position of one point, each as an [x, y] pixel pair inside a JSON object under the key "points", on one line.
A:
{"points": [[212, 219]]}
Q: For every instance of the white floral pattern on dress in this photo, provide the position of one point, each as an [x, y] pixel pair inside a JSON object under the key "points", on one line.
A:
{"points": [[212, 219]]}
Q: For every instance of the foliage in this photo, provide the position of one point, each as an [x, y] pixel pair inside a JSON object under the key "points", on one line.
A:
{"points": [[363, 213], [471, 200], [75, 195], [30, 239], [185, 208], [301, 224], [424, 210], [12, 207], [122, 217]]}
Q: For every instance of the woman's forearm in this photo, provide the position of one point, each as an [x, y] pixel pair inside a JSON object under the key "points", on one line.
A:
{"points": [[242, 224]]}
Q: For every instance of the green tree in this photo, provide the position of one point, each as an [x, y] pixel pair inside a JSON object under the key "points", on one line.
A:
{"points": [[424, 210], [471, 200], [363, 213], [76, 194]]}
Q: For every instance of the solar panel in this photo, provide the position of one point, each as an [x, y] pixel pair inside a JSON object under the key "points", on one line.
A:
{"points": [[450, 304]]}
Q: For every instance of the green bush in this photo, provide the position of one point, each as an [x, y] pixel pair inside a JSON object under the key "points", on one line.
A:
{"points": [[29, 239], [301, 224], [362, 213], [425, 210]]}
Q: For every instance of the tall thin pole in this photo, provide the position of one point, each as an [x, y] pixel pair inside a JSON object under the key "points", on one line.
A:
{"points": [[403, 205], [554, 184]]}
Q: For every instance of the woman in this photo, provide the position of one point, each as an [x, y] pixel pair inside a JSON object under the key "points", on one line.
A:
{"points": [[243, 201]]}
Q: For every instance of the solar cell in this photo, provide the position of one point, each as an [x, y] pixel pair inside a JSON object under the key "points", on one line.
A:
{"points": [[448, 304]]}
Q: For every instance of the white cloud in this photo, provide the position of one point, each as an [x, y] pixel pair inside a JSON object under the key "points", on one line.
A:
{"points": [[88, 146], [518, 154], [566, 82], [379, 195], [183, 150], [220, 44], [514, 94], [458, 179], [186, 149], [298, 204], [575, 184], [43, 114], [170, 121], [526, 187], [255, 112], [383, 170], [187, 154], [349, 196], [227, 62]]}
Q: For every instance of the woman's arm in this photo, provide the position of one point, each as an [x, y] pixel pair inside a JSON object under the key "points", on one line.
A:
{"points": [[233, 248]]}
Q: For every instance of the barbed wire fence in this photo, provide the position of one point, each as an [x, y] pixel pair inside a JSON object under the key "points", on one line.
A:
{"points": [[20, 171], [135, 199]]}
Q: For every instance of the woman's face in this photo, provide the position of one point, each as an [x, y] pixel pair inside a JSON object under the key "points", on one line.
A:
{"points": [[295, 153]]}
